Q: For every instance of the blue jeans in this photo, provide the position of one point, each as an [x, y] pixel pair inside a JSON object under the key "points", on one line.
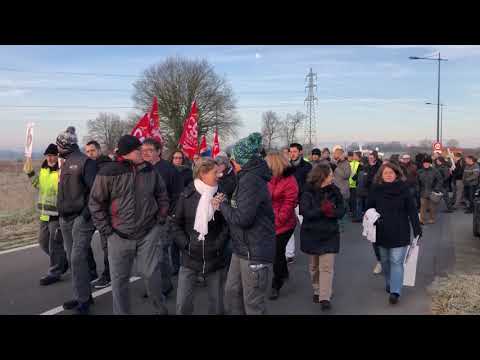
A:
{"points": [[392, 266], [360, 204]]}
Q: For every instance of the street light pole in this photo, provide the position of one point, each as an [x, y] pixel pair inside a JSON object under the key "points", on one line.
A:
{"points": [[439, 59], [441, 119]]}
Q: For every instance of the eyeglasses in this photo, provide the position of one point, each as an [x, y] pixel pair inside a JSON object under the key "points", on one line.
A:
{"points": [[177, 158]]}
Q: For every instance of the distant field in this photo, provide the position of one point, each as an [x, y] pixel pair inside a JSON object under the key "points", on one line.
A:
{"points": [[18, 219]]}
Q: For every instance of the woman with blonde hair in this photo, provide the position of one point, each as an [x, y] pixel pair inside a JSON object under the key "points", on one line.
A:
{"points": [[200, 233], [283, 189]]}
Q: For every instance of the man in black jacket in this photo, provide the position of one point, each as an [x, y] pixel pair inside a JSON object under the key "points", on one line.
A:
{"points": [[252, 227], [129, 206], [94, 152], [77, 175], [152, 152], [302, 168]]}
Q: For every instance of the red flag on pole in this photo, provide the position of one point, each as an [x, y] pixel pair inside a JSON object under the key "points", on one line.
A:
{"points": [[203, 145], [142, 130], [155, 122], [189, 138], [216, 145]]}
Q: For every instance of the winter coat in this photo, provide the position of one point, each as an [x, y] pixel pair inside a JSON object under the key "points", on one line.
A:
{"points": [[411, 174], [301, 172], [47, 184], [362, 177], [250, 213], [76, 180], [397, 210], [172, 180], [444, 172], [284, 192], [372, 171], [458, 172], [429, 180], [319, 233], [228, 183], [341, 177], [128, 199], [471, 174], [186, 175], [201, 256]]}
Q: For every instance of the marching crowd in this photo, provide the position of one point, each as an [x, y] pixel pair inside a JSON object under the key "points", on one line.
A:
{"points": [[229, 223]]}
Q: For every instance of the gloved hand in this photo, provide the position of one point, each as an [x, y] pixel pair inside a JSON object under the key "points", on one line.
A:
{"points": [[328, 208], [28, 167]]}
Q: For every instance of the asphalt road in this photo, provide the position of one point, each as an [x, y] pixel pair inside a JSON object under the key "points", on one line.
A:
{"points": [[356, 289]]}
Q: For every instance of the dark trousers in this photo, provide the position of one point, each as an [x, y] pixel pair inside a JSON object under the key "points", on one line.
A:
{"points": [[175, 257], [376, 251], [106, 265], [469, 192], [352, 201], [92, 266], [280, 267], [51, 242]]}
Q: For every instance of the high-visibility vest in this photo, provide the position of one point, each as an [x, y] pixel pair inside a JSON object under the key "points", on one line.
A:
{"points": [[354, 164], [47, 184]]}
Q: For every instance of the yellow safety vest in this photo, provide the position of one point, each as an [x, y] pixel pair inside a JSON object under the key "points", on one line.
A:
{"points": [[354, 164], [47, 184]]}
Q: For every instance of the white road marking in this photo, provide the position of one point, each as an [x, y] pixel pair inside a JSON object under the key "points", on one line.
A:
{"points": [[18, 249], [95, 294]]}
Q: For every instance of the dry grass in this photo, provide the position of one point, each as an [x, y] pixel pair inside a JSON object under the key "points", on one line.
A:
{"points": [[457, 294], [18, 220]]}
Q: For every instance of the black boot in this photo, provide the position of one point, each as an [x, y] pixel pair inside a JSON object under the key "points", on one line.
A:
{"points": [[274, 294], [325, 305], [393, 299], [48, 280]]}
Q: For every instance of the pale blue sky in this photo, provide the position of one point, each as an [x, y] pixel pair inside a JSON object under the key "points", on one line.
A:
{"points": [[366, 93]]}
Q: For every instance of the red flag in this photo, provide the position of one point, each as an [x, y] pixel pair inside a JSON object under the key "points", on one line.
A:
{"points": [[216, 145], [189, 138], [203, 145], [142, 130], [155, 122]]}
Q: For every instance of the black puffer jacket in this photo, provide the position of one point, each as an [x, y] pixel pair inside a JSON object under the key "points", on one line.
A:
{"points": [[458, 172], [128, 200], [172, 181], [186, 175], [429, 180], [397, 210], [228, 183], [372, 171], [301, 172], [202, 256], [250, 214], [319, 233]]}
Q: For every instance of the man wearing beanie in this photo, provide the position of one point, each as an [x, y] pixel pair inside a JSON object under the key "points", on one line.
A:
{"points": [[50, 237], [76, 179], [250, 216], [129, 205]]}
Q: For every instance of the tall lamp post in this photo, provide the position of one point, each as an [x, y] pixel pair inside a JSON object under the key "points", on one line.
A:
{"points": [[439, 59], [441, 118]]}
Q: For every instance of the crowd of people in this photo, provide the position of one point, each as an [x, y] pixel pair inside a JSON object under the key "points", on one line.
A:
{"points": [[230, 223]]}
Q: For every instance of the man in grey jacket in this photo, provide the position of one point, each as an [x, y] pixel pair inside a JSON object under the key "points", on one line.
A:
{"points": [[471, 175], [342, 172], [129, 206]]}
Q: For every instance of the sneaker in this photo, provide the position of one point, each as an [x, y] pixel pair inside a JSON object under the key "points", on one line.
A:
{"points": [[274, 294], [83, 309], [101, 282], [393, 298], [72, 304], [65, 267], [316, 299], [48, 280], [290, 260], [325, 305], [93, 276], [378, 269]]}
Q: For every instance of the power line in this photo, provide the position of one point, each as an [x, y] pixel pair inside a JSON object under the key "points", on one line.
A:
{"points": [[68, 73]]}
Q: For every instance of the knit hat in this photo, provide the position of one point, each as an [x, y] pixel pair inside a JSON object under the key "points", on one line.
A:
{"points": [[337, 147], [127, 144], [427, 159], [51, 150], [316, 152], [247, 148], [67, 139], [222, 159]]}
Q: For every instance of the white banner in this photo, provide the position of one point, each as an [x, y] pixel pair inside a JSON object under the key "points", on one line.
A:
{"points": [[410, 264], [29, 140]]}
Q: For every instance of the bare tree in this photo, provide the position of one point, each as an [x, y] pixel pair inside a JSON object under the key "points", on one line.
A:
{"points": [[107, 128], [271, 129], [291, 125], [453, 143], [177, 82]]}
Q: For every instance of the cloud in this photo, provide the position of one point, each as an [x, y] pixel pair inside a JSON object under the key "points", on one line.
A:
{"points": [[258, 56], [13, 92]]}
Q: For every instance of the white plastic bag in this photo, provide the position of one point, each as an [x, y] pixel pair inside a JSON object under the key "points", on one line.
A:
{"points": [[410, 264]]}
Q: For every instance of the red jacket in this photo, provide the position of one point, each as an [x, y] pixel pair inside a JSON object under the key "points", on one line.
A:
{"points": [[284, 192]]}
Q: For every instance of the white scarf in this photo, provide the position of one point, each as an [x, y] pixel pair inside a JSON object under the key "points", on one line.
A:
{"points": [[204, 209]]}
